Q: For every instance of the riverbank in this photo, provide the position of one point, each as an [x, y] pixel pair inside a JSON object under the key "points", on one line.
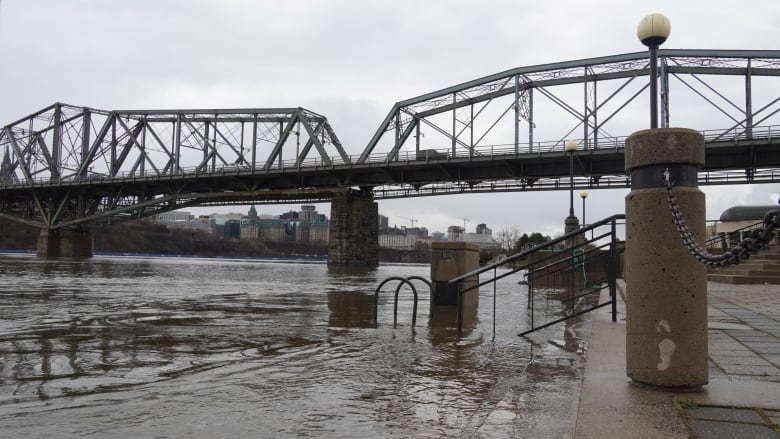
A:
{"points": [[143, 238]]}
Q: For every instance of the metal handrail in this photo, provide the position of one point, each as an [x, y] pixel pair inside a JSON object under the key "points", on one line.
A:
{"points": [[721, 237], [549, 244], [564, 264], [402, 281]]}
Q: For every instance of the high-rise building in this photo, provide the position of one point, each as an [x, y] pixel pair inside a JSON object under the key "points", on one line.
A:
{"points": [[308, 213], [249, 225], [383, 222], [310, 226], [232, 228], [482, 229]]}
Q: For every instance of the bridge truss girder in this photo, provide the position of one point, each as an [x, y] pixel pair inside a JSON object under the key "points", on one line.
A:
{"points": [[503, 110], [67, 166], [69, 146]]}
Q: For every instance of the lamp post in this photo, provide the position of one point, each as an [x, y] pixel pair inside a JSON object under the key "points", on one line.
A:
{"points": [[571, 223], [584, 195], [667, 304], [652, 31]]}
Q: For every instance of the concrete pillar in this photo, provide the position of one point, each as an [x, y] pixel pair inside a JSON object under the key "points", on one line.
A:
{"points": [[448, 261], [666, 302], [65, 243], [354, 230]]}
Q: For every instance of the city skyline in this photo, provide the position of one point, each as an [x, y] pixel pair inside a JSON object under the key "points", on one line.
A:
{"points": [[418, 224]]}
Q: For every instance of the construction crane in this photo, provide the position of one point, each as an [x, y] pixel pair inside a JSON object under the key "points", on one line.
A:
{"points": [[464, 224], [412, 220]]}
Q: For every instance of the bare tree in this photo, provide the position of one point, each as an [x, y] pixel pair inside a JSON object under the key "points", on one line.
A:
{"points": [[508, 236]]}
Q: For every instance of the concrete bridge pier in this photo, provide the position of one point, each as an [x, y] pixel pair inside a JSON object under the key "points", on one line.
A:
{"points": [[354, 229], [65, 243]]}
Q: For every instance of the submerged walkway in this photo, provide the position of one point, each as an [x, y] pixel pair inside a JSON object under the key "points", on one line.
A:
{"points": [[742, 399]]}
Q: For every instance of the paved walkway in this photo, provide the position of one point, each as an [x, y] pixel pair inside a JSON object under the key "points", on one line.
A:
{"points": [[742, 399]]}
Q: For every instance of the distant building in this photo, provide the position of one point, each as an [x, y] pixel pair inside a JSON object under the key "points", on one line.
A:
{"points": [[416, 231], [311, 226], [401, 242], [482, 240], [271, 229], [312, 232], [439, 236], [308, 214], [383, 222], [735, 218], [482, 229], [454, 233], [219, 221], [184, 220], [173, 217], [483, 237], [304, 226], [250, 224], [289, 216], [7, 176], [232, 229]]}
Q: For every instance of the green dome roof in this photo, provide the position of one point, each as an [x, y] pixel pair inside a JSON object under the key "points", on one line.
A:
{"points": [[746, 213]]}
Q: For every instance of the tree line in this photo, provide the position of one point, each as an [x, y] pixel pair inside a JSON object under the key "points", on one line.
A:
{"points": [[513, 242], [146, 237]]}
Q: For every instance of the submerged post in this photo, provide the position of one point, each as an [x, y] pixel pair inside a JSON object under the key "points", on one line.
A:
{"points": [[666, 303], [448, 261]]}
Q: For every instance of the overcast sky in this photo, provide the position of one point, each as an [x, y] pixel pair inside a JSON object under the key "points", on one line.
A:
{"points": [[349, 60]]}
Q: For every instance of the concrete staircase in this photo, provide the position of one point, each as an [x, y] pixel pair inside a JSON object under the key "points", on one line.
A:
{"points": [[761, 268]]}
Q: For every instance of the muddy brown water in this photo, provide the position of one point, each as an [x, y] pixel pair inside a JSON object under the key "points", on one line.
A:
{"points": [[116, 347]]}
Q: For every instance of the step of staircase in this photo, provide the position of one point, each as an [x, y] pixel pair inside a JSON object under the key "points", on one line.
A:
{"points": [[748, 271], [761, 268], [766, 257], [744, 280]]}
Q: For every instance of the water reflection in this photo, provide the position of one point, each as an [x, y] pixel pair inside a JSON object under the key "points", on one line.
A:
{"points": [[350, 309]]}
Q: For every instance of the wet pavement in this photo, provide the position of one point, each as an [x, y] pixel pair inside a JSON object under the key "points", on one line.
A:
{"points": [[742, 399]]}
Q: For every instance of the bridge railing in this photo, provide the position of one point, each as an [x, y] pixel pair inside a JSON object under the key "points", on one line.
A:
{"points": [[767, 133]]}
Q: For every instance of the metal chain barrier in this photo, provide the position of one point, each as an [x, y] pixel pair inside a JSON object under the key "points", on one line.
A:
{"points": [[756, 239]]}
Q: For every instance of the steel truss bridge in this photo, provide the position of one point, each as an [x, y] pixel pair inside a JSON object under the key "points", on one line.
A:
{"points": [[66, 166]]}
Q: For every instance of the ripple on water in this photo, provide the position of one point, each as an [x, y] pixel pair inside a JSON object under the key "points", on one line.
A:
{"points": [[126, 347]]}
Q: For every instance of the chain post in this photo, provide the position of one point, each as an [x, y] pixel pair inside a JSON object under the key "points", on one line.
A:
{"points": [[666, 300]]}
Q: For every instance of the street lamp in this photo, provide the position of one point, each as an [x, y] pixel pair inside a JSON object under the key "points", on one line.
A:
{"points": [[584, 195], [572, 223], [652, 31]]}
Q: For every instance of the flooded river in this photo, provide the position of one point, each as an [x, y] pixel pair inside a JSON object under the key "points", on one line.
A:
{"points": [[210, 348]]}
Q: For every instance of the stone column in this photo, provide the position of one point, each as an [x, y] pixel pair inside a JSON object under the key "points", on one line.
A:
{"points": [[448, 261], [666, 302], [354, 229], [64, 243]]}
